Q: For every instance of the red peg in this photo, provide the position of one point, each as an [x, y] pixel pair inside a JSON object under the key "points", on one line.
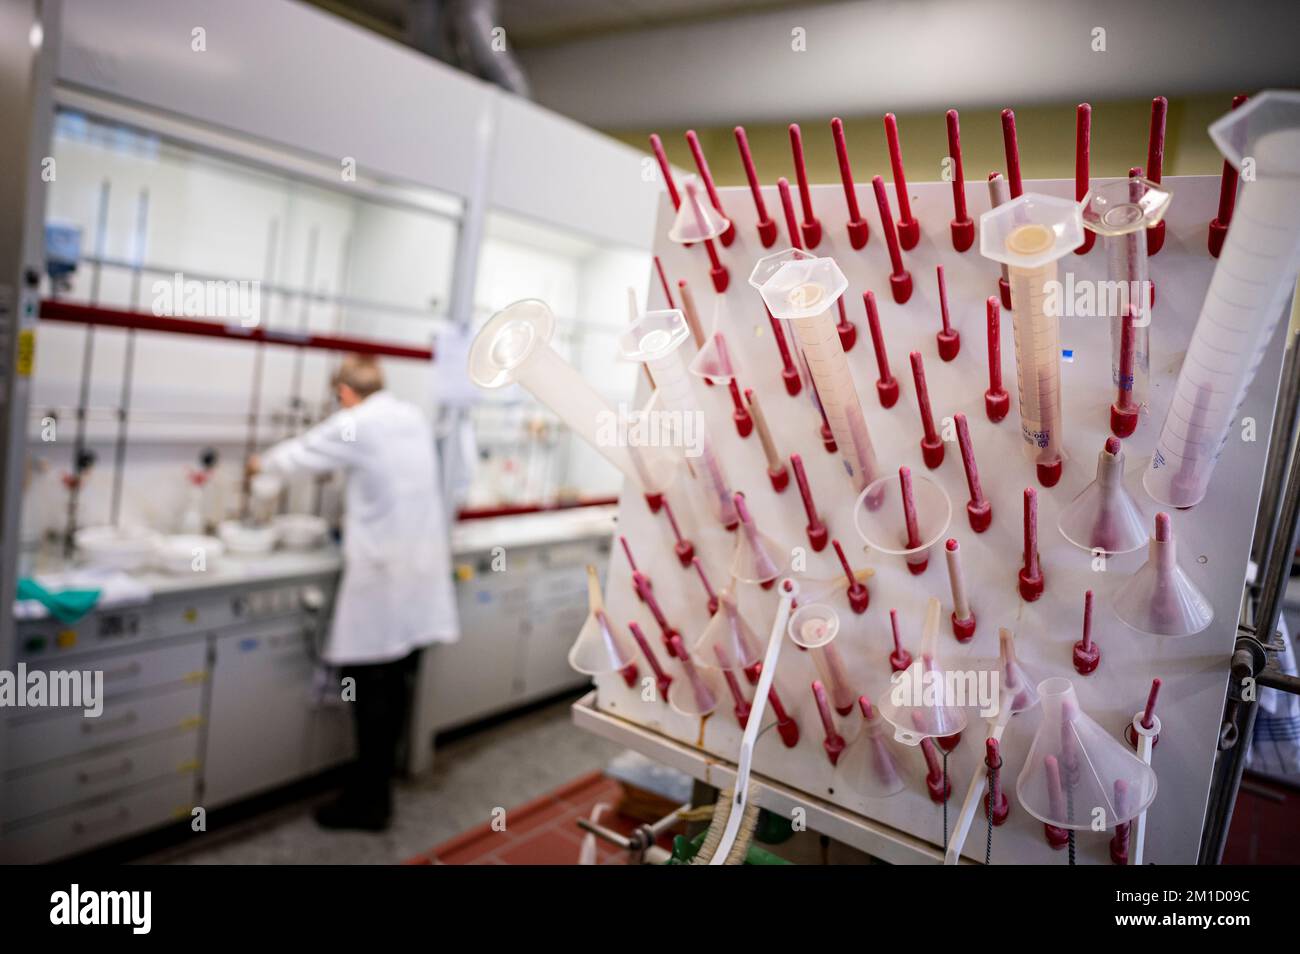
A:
{"points": [[998, 195], [900, 658], [1135, 172], [741, 707], [1087, 654], [818, 534], [640, 582], [847, 330], [949, 340], [833, 742], [684, 549], [663, 280], [979, 511], [910, 521], [785, 724], [1123, 412], [739, 413], [789, 373], [777, 472], [859, 232], [787, 209], [909, 230], [1082, 173], [859, 595], [962, 225], [996, 399], [936, 780], [1156, 165], [662, 679], [1013, 154], [1119, 842], [1227, 199], [766, 226], [900, 279], [1031, 574], [665, 630], [811, 227], [995, 802], [931, 443], [665, 169], [886, 383], [708, 588], [717, 271], [702, 164], [962, 616], [1057, 838], [828, 438], [1129, 732]]}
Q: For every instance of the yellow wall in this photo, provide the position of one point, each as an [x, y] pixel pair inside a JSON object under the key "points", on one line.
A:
{"points": [[1045, 133]]}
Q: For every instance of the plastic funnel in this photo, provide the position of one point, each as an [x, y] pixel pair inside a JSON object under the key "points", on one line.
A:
{"points": [[728, 642], [713, 361], [756, 558], [697, 220], [814, 626], [1017, 692], [890, 524], [1159, 599], [599, 648], [1073, 766], [871, 765], [1105, 516], [920, 702], [699, 692]]}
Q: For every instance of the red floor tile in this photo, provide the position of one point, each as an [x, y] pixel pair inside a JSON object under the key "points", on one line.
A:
{"points": [[547, 847]]}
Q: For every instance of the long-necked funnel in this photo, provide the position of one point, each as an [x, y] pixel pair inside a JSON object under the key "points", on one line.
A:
{"points": [[697, 220], [814, 626], [1073, 765], [655, 340], [1255, 274], [800, 288], [1016, 691], [599, 648], [871, 766], [699, 692], [1160, 599], [727, 641], [757, 558], [1104, 515], [922, 701], [513, 347]]}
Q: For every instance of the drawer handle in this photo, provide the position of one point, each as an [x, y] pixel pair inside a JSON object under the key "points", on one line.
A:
{"points": [[122, 672], [87, 778], [106, 821], [107, 725]]}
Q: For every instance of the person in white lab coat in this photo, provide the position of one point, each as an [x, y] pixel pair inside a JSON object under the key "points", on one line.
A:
{"points": [[396, 594]]}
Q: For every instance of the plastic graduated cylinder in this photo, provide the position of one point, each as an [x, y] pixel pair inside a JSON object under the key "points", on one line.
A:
{"points": [[1121, 212], [513, 347], [656, 339], [1255, 272], [801, 289], [1028, 235]]}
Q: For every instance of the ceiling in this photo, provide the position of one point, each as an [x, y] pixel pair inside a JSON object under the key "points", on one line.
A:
{"points": [[531, 24]]}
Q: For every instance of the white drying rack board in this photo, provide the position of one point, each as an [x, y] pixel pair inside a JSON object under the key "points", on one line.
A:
{"points": [[1213, 538]]}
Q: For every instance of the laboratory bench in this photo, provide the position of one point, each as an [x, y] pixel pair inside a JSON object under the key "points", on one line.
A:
{"points": [[213, 691]]}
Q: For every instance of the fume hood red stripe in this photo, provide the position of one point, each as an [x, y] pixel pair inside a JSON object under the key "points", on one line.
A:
{"points": [[53, 310]]}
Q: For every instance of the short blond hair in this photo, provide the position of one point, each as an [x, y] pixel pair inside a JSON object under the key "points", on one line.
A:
{"points": [[361, 373]]}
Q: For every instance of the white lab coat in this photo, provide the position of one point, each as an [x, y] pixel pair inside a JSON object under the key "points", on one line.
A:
{"points": [[396, 594]]}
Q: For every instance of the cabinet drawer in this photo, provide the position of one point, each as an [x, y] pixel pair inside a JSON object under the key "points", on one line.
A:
{"points": [[69, 783], [127, 672], [38, 739], [91, 826]]}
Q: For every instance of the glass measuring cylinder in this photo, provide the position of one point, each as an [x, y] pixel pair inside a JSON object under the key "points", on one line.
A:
{"points": [[801, 289], [655, 339], [513, 347], [1255, 273], [1028, 235], [1121, 212]]}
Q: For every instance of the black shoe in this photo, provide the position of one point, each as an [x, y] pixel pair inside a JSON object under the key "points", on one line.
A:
{"points": [[339, 814]]}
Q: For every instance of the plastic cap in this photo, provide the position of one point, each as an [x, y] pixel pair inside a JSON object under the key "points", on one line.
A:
{"points": [[1031, 230]]}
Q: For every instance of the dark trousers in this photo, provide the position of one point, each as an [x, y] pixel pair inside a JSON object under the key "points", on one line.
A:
{"points": [[383, 701]]}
